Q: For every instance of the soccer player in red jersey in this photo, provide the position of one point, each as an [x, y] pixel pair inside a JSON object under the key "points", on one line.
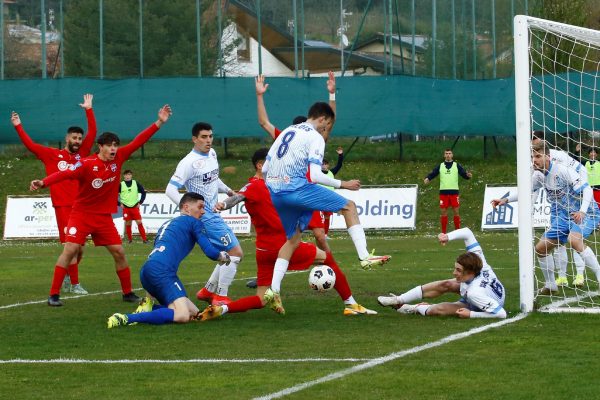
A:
{"points": [[317, 223], [270, 236], [99, 179], [63, 193]]}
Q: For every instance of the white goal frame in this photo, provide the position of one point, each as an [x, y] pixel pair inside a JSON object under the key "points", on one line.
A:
{"points": [[523, 108]]}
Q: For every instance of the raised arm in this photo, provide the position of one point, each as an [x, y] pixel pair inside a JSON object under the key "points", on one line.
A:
{"points": [[90, 135], [33, 147], [331, 90], [263, 118], [340, 161], [163, 116]]}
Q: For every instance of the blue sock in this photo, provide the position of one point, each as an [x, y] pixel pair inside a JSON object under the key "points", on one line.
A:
{"points": [[156, 317], [157, 306]]}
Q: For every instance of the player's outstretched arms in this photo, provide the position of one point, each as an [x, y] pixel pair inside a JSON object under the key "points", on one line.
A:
{"points": [[163, 115], [354, 184], [87, 101], [331, 90], [229, 202], [36, 184], [263, 117], [15, 119], [466, 313], [499, 202]]}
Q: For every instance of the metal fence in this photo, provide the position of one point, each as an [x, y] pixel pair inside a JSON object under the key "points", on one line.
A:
{"points": [[454, 39]]}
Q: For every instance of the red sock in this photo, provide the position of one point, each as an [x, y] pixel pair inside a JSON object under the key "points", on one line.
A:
{"points": [[444, 221], [57, 279], [457, 222], [74, 273], [244, 304], [125, 278], [142, 232], [128, 231], [341, 283]]}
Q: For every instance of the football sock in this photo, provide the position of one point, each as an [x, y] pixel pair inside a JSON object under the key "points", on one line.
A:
{"points": [[224, 309], [579, 263], [245, 304], [560, 258], [411, 296], [213, 281], [341, 283], [128, 231], [444, 222], [159, 316], [142, 231], [422, 309], [57, 279], [281, 266], [456, 222], [350, 300], [589, 258], [74, 273], [357, 233], [125, 278], [226, 275], [547, 267]]}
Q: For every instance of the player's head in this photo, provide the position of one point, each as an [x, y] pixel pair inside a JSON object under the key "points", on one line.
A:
{"points": [[540, 155], [127, 175], [108, 143], [467, 266], [448, 155], [298, 120], [537, 136], [325, 165], [202, 136], [73, 139], [259, 157], [192, 204], [593, 153], [321, 116]]}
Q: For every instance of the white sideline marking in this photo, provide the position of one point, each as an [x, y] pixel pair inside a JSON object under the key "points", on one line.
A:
{"points": [[190, 361], [390, 357]]}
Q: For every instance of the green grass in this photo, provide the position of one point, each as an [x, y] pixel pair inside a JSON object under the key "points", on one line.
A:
{"points": [[553, 356]]}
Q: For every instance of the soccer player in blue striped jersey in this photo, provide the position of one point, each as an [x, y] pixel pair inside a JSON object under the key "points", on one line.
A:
{"points": [[174, 241], [298, 149], [198, 172], [482, 293]]}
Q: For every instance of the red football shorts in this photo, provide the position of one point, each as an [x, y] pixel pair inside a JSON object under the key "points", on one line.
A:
{"points": [[131, 214], [100, 226], [302, 259], [449, 200], [317, 220], [62, 219]]}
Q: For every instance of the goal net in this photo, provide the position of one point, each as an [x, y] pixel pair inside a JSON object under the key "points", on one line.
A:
{"points": [[557, 96]]}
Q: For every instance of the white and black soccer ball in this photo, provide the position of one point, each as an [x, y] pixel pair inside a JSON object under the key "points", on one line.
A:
{"points": [[321, 278]]}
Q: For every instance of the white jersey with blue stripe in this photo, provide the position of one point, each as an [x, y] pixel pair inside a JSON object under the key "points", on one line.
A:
{"points": [[485, 292], [563, 186], [563, 158], [199, 173], [289, 157]]}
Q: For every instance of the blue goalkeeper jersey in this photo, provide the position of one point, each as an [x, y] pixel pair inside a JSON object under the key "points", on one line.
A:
{"points": [[175, 240]]}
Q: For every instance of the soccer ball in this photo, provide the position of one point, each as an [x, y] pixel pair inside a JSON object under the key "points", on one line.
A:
{"points": [[321, 278]]}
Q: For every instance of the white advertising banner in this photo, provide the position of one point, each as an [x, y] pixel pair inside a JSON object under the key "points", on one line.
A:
{"points": [[384, 207], [33, 217], [507, 216], [158, 208]]}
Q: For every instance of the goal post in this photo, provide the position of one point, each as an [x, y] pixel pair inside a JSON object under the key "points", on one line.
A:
{"points": [[557, 91]]}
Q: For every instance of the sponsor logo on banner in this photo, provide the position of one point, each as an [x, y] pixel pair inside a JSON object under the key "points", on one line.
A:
{"points": [[507, 215]]}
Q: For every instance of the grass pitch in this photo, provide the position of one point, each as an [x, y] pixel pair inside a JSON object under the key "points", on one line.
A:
{"points": [[258, 353]]}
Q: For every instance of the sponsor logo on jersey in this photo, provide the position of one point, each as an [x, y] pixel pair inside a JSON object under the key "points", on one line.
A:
{"points": [[97, 183], [62, 165], [72, 230], [77, 157], [95, 169], [113, 167], [210, 176]]}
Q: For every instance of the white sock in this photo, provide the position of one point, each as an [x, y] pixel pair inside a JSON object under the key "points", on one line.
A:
{"points": [[357, 233], [224, 309], [350, 300], [547, 267], [281, 266], [589, 258], [411, 296], [579, 263], [226, 275], [422, 309], [213, 281], [561, 259]]}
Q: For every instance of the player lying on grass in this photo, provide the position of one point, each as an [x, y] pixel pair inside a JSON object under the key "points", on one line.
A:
{"points": [[174, 241], [482, 293], [270, 236]]}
